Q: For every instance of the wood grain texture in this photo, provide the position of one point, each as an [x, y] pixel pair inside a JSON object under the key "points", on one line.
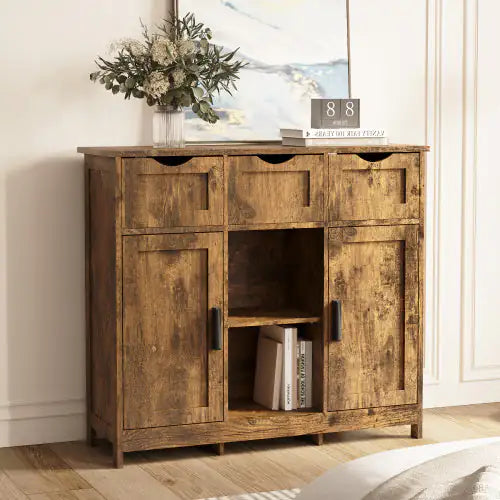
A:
{"points": [[374, 273], [251, 226], [262, 192], [171, 373], [37, 469], [158, 195], [240, 149], [244, 425], [101, 297], [380, 189]]}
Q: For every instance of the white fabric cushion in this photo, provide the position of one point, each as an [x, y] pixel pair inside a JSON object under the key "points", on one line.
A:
{"points": [[353, 480], [446, 477]]}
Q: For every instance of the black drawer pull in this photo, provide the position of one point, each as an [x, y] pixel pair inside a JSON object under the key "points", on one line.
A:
{"points": [[336, 320], [217, 328]]}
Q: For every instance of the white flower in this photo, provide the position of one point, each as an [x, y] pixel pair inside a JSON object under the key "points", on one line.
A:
{"points": [[157, 84], [186, 47], [178, 77], [135, 47], [163, 51]]}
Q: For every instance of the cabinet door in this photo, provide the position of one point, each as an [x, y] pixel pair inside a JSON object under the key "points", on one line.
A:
{"points": [[171, 373], [373, 348]]}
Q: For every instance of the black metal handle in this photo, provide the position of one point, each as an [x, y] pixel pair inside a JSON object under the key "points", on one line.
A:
{"points": [[336, 320], [217, 328]]}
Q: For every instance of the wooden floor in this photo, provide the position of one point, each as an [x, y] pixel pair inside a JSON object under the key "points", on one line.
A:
{"points": [[74, 471]]}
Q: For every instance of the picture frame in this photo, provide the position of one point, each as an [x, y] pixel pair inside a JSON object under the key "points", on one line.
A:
{"points": [[248, 117]]}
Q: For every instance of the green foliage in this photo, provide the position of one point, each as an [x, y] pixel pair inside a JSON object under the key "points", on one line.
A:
{"points": [[176, 66]]}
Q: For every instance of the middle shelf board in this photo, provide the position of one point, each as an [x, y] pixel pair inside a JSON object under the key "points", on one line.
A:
{"points": [[251, 317]]}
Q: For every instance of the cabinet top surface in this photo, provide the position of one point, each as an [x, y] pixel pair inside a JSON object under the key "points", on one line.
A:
{"points": [[241, 149]]}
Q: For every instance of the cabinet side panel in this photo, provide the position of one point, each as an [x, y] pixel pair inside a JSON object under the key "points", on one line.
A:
{"points": [[102, 286]]}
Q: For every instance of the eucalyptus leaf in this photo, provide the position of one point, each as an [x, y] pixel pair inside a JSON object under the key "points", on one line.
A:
{"points": [[198, 92]]}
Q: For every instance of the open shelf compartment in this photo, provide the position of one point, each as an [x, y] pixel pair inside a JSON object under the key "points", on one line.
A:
{"points": [[275, 277]]}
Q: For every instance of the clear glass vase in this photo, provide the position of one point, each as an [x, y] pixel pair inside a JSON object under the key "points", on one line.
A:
{"points": [[168, 127]]}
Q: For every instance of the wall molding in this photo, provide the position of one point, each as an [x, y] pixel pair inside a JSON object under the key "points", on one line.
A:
{"points": [[434, 30], [22, 410], [471, 370], [37, 422]]}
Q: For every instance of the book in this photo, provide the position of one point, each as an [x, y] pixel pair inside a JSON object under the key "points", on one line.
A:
{"points": [[304, 373], [308, 371], [288, 337], [268, 372], [329, 141], [320, 133], [301, 373]]}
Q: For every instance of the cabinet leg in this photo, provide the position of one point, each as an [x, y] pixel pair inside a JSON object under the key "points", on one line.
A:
{"points": [[416, 430], [117, 456], [219, 448], [318, 439]]}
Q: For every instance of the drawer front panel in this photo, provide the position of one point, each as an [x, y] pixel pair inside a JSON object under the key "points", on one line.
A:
{"points": [[271, 190], [365, 187], [161, 195]]}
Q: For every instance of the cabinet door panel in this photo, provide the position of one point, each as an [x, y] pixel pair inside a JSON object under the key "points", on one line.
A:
{"points": [[373, 272], [171, 374]]}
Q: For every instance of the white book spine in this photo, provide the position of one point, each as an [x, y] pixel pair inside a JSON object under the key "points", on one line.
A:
{"points": [[308, 373], [332, 133], [287, 370]]}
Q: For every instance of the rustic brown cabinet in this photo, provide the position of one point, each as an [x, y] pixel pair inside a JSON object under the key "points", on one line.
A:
{"points": [[190, 251]]}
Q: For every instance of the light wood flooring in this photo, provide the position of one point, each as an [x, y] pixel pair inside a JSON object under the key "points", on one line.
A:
{"points": [[74, 471]]}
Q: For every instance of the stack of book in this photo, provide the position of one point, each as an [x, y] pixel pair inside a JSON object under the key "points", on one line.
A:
{"points": [[283, 371], [333, 137]]}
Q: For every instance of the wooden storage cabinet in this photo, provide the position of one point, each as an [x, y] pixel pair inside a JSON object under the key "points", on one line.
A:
{"points": [[190, 251]]}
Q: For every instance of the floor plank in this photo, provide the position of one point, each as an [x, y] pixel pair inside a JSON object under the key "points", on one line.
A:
{"points": [[89, 494], [186, 473], [37, 469], [95, 466], [68, 471], [8, 490]]}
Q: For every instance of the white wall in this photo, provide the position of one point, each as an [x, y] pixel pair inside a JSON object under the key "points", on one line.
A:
{"points": [[48, 107], [428, 70], [420, 72]]}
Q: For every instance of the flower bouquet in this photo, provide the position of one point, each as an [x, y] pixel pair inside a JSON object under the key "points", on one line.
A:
{"points": [[173, 68]]}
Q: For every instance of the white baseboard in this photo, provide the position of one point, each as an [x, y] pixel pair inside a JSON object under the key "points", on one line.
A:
{"points": [[468, 393], [23, 423]]}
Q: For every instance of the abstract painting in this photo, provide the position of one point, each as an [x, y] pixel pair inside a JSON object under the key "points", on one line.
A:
{"points": [[295, 49]]}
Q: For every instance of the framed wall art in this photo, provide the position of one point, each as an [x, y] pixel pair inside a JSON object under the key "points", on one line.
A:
{"points": [[296, 50]]}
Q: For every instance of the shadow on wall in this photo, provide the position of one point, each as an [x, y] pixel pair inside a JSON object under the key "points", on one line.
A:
{"points": [[45, 289]]}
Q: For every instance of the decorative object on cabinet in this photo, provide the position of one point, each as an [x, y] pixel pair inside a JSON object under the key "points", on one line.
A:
{"points": [[190, 252], [173, 68], [295, 50]]}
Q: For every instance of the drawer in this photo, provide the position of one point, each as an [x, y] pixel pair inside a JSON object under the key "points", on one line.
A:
{"points": [[373, 186], [173, 191], [275, 188]]}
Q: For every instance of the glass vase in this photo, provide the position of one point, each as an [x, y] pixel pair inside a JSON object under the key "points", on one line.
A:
{"points": [[168, 127]]}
